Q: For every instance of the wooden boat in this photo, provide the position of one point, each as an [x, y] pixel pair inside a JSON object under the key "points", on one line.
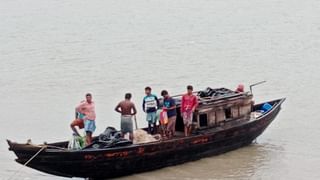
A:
{"points": [[221, 123]]}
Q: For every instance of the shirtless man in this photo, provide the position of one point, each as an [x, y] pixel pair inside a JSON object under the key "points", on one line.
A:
{"points": [[127, 109]]}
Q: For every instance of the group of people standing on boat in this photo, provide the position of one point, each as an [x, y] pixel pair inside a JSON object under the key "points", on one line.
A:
{"points": [[165, 113]]}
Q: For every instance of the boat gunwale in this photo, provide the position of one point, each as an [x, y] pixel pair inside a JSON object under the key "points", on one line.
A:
{"points": [[201, 133]]}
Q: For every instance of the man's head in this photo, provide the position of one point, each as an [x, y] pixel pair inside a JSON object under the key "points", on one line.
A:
{"points": [[164, 93], [240, 88], [89, 97], [190, 89], [127, 96], [147, 90]]}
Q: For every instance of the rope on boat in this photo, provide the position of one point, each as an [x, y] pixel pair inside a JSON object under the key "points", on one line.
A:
{"points": [[25, 164]]}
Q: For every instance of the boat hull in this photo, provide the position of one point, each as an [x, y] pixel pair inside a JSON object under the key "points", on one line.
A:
{"points": [[116, 162]]}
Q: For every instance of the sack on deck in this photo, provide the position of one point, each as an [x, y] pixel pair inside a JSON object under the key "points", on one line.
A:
{"points": [[111, 137], [76, 142], [141, 136], [163, 117]]}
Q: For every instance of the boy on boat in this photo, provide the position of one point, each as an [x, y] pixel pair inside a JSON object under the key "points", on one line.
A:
{"points": [[150, 105], [85, 118], [127, 109], [189, 103], [169, 106]]}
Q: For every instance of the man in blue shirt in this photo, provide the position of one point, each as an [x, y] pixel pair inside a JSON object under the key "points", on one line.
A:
{"points": [[150, 106], [170, 106]]}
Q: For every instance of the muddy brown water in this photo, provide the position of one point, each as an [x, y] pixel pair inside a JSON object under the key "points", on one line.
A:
{"points": [[53, 52]]}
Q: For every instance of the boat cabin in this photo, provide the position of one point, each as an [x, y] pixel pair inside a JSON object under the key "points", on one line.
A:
{"points": [[216, 107]]}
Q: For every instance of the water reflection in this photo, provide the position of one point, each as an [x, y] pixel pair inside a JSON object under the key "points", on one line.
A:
{"points": [[245, 163]]}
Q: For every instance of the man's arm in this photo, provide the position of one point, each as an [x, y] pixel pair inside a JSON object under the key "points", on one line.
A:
{"points": [[158, 102], [173, 107], [144, 105], [79, 108], [182, 104], [173, 104], [117, 109], [134, 109], [76, 114]]}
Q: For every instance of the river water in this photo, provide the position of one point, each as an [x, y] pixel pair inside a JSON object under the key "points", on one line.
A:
{"points": [[52, 52]]}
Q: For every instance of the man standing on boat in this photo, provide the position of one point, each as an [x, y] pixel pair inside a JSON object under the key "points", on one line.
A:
{"points": [[189, 103], [240, 88], [127, 109], [150, 105], [169, 105], [86, 116]]}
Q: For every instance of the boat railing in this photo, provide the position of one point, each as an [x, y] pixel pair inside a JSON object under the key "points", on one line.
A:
{"points": [[219, 98], [213, 99], [206, 100]]}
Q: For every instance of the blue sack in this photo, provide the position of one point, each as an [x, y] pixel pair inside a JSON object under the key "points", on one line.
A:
{"points": [[266, 107]]}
